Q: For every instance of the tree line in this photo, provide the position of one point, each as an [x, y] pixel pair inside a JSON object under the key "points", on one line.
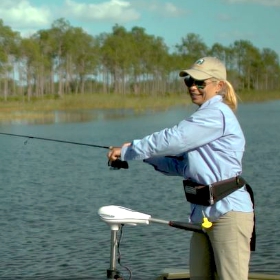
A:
{"points": [[66, 60]]}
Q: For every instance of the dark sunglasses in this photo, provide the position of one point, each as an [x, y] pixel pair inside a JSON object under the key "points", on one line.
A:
{"points": [[189, 82]]}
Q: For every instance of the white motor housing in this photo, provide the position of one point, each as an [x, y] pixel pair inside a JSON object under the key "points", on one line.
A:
{"points": [[116, 215]]}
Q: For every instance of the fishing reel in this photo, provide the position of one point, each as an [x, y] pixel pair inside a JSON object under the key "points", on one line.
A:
{"points": [[118, 164]]}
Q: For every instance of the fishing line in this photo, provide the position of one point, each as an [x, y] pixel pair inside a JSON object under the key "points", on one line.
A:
{"points": [[117, 164]]}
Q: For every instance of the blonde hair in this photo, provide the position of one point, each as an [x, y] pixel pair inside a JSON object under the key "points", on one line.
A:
{"points": [[229, 95]]}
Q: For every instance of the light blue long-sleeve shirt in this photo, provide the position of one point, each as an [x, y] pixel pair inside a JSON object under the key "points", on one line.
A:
{"points": [[209, 145]]}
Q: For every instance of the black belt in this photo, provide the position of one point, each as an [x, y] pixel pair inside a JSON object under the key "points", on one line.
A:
{"points": [[209, 194]]}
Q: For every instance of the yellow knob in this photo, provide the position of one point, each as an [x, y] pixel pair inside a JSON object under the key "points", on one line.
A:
{"points": [[206, 223]]}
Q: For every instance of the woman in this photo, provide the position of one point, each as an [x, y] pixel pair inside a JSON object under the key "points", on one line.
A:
{"points": [[206, 149]]}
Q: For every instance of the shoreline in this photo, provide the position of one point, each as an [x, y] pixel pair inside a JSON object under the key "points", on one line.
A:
{"points": [[43, 109]]}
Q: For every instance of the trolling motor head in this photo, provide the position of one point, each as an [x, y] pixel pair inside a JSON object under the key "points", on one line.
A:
{"points": [[114, 216]]}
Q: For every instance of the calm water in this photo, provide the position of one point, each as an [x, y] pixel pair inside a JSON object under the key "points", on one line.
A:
{"points": [[50, 194]]}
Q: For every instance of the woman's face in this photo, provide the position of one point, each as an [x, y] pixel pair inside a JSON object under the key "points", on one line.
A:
{"points": [[202, 90]]}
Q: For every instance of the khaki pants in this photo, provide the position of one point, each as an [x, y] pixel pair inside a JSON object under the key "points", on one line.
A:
{"points": [[224, 252]]}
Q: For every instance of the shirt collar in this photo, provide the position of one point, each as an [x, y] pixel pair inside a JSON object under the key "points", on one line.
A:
{"points": [[214, 99]]}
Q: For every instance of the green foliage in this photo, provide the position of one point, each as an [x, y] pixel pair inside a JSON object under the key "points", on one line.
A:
{"points": [[65, 60]]}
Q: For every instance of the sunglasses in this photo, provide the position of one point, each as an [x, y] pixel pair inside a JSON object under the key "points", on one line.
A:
{"points": [[189, 82]]}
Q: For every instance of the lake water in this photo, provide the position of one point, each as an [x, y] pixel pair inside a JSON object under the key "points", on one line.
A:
{"points": [[50, 194]]}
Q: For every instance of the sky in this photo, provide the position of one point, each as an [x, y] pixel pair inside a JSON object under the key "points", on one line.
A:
{"points": [[215, 21]]}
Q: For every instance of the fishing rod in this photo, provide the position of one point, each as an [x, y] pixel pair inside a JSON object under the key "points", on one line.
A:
{"points": [[117, 164]]}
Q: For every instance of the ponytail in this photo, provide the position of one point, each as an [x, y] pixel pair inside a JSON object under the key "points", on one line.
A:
{"points": [[229, 95]]}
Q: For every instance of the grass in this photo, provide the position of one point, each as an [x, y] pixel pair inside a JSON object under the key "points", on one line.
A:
{"points": [[258, 96], [92, 101], [20, 109]]}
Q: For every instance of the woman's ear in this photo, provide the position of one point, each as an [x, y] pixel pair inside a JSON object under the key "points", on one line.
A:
{"points": [[220, 86]]}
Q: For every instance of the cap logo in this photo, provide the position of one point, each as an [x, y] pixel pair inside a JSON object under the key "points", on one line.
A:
{"points": [[200, 61]]}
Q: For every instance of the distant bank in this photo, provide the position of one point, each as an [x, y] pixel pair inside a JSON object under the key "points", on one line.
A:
{"points": [[20, 108]]}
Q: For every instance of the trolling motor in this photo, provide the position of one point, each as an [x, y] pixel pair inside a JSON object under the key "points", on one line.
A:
{"points": [[116, 216]]}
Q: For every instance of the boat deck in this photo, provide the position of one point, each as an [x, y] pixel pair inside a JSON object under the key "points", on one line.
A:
{"points": [[181, 274]]}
